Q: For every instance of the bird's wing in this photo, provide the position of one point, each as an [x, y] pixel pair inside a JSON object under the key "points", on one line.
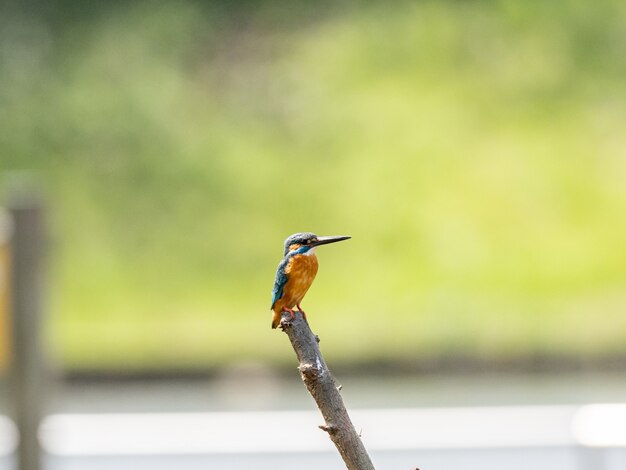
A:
{"points": [[280, 281]]}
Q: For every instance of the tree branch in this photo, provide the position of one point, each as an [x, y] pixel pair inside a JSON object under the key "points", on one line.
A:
{"points": [[321, 385]]}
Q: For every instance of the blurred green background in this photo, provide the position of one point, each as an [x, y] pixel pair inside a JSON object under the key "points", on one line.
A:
{"points": [[474, 150]]}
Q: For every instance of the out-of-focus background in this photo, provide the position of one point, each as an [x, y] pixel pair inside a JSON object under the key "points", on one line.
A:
{"points": [[475, 151]]}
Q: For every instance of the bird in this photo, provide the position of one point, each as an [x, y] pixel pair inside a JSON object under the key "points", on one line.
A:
{"points": [[296, 272]]}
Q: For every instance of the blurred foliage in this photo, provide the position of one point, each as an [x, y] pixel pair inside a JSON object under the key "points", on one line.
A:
{"points": [[474, 150]]}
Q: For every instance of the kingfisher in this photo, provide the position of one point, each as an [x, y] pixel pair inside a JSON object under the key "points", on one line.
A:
{"points": [[296, 272]]}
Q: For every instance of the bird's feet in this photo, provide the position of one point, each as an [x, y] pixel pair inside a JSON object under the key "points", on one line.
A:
{"points": [[284, 322], [302, 311], [291, 312]]}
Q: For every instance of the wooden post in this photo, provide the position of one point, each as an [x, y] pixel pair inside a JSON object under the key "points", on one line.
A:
{"points": [[322, 387], [27, 373]]}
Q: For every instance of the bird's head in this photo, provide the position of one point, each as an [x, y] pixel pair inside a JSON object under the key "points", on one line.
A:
{"points": [[304, 242]]}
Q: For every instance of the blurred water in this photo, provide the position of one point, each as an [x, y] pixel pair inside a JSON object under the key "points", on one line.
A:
{"points": [[261, 390], [258, 390]]}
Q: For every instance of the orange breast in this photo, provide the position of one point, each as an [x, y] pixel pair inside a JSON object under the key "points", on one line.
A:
{"points": [[301, 271]]}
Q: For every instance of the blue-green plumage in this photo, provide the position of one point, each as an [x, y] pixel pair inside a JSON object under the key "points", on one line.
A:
{"points": [[280, 281], [303, 239]]}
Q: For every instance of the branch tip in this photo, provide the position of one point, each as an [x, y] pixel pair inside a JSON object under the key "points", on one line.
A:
{"points": [[285, 323]]}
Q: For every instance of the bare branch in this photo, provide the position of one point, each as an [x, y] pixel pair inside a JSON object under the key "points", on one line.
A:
{"points": [[321, 385]]}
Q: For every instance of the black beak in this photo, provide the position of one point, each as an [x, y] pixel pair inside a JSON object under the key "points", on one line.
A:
{"points": [[326, 240]]}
